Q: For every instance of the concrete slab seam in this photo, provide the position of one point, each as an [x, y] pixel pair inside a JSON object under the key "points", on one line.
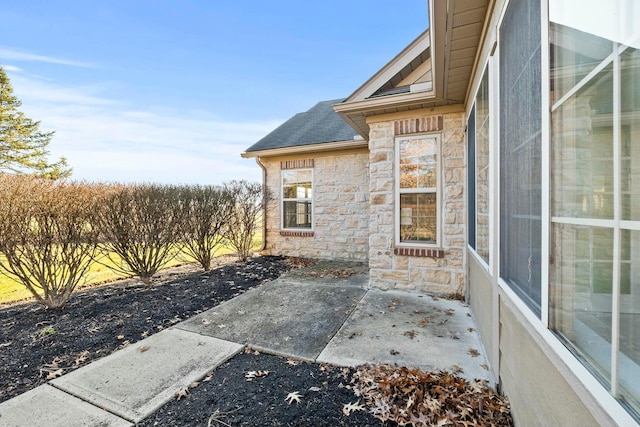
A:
{"points": [[102, 408], [355, 307]]}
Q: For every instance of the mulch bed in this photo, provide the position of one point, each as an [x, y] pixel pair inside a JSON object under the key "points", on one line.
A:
{"points": [[251, 389]]}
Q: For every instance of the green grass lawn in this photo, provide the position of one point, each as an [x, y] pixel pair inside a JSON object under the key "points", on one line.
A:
{"points": [[12, 291]]}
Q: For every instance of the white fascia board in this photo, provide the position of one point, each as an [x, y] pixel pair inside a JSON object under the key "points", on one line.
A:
{"points": [[322, 146], [388, 101]]}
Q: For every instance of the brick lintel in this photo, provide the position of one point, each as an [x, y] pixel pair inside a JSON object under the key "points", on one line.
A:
{"points": [[417, 125], [419, 252], [297, 233], [296, 164]]}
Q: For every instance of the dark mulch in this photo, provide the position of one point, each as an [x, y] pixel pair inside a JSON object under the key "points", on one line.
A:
{"points": [[36, 344], [226, 398]]}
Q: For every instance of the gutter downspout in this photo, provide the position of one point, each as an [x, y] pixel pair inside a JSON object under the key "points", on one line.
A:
{"points": [[264, 205]]}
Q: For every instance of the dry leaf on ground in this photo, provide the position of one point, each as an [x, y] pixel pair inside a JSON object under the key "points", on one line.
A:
{"points": [[293, 396]]}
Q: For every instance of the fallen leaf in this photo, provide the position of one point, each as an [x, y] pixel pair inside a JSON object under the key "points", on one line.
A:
{"points": [[251, 375], [293, 362], [351, 407], [81, 358], [314, 389], [143, 348], [182, 393], [410, 334], [457, 369], [293, 396], [473, 352], [55, 374], [120, 337]]}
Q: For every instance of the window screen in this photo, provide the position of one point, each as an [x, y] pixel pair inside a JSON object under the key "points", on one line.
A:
{"points": [[520, 145]]}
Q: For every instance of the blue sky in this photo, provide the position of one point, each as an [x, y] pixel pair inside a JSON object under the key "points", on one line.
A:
{"points": [[173, 91]]}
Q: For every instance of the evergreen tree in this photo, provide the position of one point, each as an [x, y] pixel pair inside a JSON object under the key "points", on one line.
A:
{"points": [[23, 146]]}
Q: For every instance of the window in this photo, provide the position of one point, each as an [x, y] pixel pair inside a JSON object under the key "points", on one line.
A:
{"points": [[471, 177], [478, 172], [520, 151], [595, 192], [297, 195], [417, 184], [482, 168]]}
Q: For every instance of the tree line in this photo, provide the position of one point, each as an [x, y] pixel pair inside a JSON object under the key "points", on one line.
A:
{"points": [[51, 231]]}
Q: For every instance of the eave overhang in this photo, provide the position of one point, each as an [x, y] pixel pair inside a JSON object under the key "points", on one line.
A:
{"points": [[308, 148]]}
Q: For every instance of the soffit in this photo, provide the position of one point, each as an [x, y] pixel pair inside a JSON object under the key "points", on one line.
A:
{"points": [[442, 60], [465, 23]]}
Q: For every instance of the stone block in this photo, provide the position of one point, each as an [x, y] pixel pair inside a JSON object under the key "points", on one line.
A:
{"points": [[377, 262], [379, 199], [400, 262], [379, 156], [454, 192], [424, 262], [395, 275], [431, 276]]}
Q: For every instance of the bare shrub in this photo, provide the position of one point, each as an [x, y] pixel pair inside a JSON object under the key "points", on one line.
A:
{"points": [[140, 228], [206, 217], [46, 235], [248, 202]]}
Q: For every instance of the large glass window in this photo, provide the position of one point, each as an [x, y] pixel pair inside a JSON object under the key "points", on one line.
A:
{"points": [[520, 150], [417, 189], [297, 187], [595, 191]]}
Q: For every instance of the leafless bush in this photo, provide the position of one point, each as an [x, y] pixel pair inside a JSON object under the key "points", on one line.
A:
{"points": [[207, 213], [140, 228], [46, 235], [248, 202]]}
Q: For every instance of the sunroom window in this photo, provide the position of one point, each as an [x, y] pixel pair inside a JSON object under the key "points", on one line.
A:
{"points": [[297, 199], [478, 173], [595, 193], [520, 151], [417, 190]]}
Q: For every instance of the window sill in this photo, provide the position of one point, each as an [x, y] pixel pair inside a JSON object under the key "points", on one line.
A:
{"points": [[420, 252], [296, 233]]}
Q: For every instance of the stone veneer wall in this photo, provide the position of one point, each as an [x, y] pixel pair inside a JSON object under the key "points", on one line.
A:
{"points": [[340, 207], [442, 270]]}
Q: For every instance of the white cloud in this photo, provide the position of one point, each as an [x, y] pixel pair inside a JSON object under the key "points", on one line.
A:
{"points": [[12, 68], [17, 55], [104, 141]]}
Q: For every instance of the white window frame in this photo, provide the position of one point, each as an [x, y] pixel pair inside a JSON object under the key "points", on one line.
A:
{"points": [[437, 191], [488, 69], [616, 224], [297, 199]]}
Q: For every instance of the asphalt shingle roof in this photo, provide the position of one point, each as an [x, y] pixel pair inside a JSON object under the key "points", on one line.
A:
{"points": [[315, 126]]}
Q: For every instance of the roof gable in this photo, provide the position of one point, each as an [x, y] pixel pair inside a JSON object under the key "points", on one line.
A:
{"points": [[320, 124], [411, 66]]}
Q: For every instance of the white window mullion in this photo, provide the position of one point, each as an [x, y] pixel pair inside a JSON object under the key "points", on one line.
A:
{"points": [[617, 198], [545, 165]]}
